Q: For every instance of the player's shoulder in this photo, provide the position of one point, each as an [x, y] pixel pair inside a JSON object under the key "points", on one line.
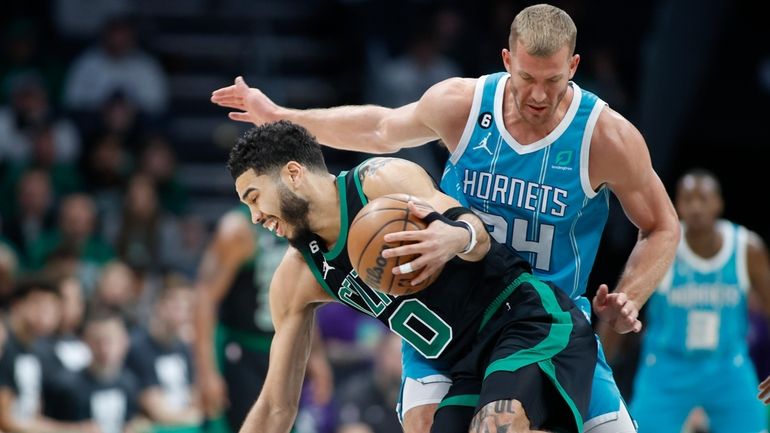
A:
{"points": [[387, 175], [294, 283], [450, 95]]}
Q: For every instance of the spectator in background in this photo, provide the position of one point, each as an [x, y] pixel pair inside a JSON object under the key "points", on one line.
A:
{"points": [[367, 400], [159, 162], [107, 168], [106, 392], [350, 338], [22, 54], [33, 216], [117, 65], [163, 363], [118, 289], [34, 314], [76, 232], [30, 111], [82, 19], [9, 265], [404, 79], [145, 236]]}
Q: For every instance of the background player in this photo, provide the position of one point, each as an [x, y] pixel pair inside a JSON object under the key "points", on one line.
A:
{"points": [[508, 336], [694, 351], [536, 157]]}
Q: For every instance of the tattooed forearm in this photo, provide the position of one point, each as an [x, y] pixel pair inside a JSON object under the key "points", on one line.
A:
{"points": [[371, 167], [495, 417]]}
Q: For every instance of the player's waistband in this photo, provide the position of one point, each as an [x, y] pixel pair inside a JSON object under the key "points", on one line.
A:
{"points": [[248, 340]]}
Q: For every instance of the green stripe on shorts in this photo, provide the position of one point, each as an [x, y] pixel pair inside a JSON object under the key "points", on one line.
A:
{"points": [[471, 400], [557, 340]]}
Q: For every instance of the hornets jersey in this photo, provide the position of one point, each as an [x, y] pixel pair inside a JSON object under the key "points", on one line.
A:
{"points": [[441, 321], [535, 198], [700, 306]]}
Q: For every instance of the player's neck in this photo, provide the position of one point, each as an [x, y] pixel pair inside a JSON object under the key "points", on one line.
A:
{"points": [[705, 243], [524, 131], [325, 210]]}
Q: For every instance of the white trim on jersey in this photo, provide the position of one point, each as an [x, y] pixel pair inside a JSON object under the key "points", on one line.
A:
{"points": [[741, 261], [585, 147], [470, 125], [554, 135], [711, 264]]}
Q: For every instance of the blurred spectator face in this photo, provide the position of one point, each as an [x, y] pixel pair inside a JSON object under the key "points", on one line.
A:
{"points": [[119, 38], [118, 114], [116, 286], [29, 100], [174, 309], [8, 268], [73, 304], [40, 312], [77, 217], [141, 198], [108, 340], [158, 160], [34, 193], [44, 147], [108, 157]]}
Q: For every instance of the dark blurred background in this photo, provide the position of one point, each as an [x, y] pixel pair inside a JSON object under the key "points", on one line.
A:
{"points": [[111, 153]]}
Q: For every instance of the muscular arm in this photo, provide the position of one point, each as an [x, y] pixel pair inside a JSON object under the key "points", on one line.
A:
{"points": [[233, 243], [619, 159], [440, 113], [439, 242], [294, 295]]}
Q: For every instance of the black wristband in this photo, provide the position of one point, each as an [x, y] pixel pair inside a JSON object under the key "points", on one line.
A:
{"points": [[455, 212], [433, 216]]}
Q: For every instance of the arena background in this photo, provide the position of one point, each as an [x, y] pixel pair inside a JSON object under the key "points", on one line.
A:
{"points": [[694, 76]]}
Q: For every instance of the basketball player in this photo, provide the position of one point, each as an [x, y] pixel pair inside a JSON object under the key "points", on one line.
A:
{"points": [[519, 348], [232, 320], [695, 352], [536, 157]]}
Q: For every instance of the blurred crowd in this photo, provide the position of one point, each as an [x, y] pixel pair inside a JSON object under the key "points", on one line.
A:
{"points": [[99, 248]]}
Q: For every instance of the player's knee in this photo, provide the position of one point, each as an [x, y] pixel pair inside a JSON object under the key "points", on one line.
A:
{"points": [[419, 419], [501, 415]]}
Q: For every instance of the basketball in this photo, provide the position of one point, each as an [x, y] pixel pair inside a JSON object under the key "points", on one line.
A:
{"points": [[383, 215]]}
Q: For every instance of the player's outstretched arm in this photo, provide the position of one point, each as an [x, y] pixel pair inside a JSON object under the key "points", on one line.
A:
{"points": [[439, 242], [367, 128], [758, 262], [231, 245], [620, 160], [294, 296]]}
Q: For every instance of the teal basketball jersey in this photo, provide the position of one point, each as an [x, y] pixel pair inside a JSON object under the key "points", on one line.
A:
{"points": [[700, 306], [535, 198]]}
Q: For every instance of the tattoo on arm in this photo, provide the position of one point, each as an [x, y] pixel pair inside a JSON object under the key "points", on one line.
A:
{"points": [[371, 167], [495, 417]]}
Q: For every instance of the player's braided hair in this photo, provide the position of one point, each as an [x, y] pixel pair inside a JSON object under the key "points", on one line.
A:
{"points": [[268, 147]]}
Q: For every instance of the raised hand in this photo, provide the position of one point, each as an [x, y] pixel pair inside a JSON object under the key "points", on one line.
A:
{"points": [[253, 105], [617, 310]]}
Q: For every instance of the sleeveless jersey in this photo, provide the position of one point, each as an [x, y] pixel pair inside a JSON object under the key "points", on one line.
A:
{"points": [[441, 321], [246, 306], [700, 306], [535, 198]]}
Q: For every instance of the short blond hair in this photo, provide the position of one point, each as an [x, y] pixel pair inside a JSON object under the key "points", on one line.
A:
{"points": [[543, 30]]}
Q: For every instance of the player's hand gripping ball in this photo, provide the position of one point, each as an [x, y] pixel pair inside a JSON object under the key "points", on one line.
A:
{"points": [[383, 215]]}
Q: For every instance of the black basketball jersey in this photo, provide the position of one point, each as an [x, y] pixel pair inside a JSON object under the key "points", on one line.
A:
{"points": [[440, 321], [245, 307]]}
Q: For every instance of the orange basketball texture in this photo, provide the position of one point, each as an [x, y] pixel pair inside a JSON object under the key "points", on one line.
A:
{"points": [[383, 215]]}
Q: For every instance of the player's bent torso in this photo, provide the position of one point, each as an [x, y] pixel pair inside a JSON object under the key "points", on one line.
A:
{"points": [[700, 308], [439, 322], [537, 198]]}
